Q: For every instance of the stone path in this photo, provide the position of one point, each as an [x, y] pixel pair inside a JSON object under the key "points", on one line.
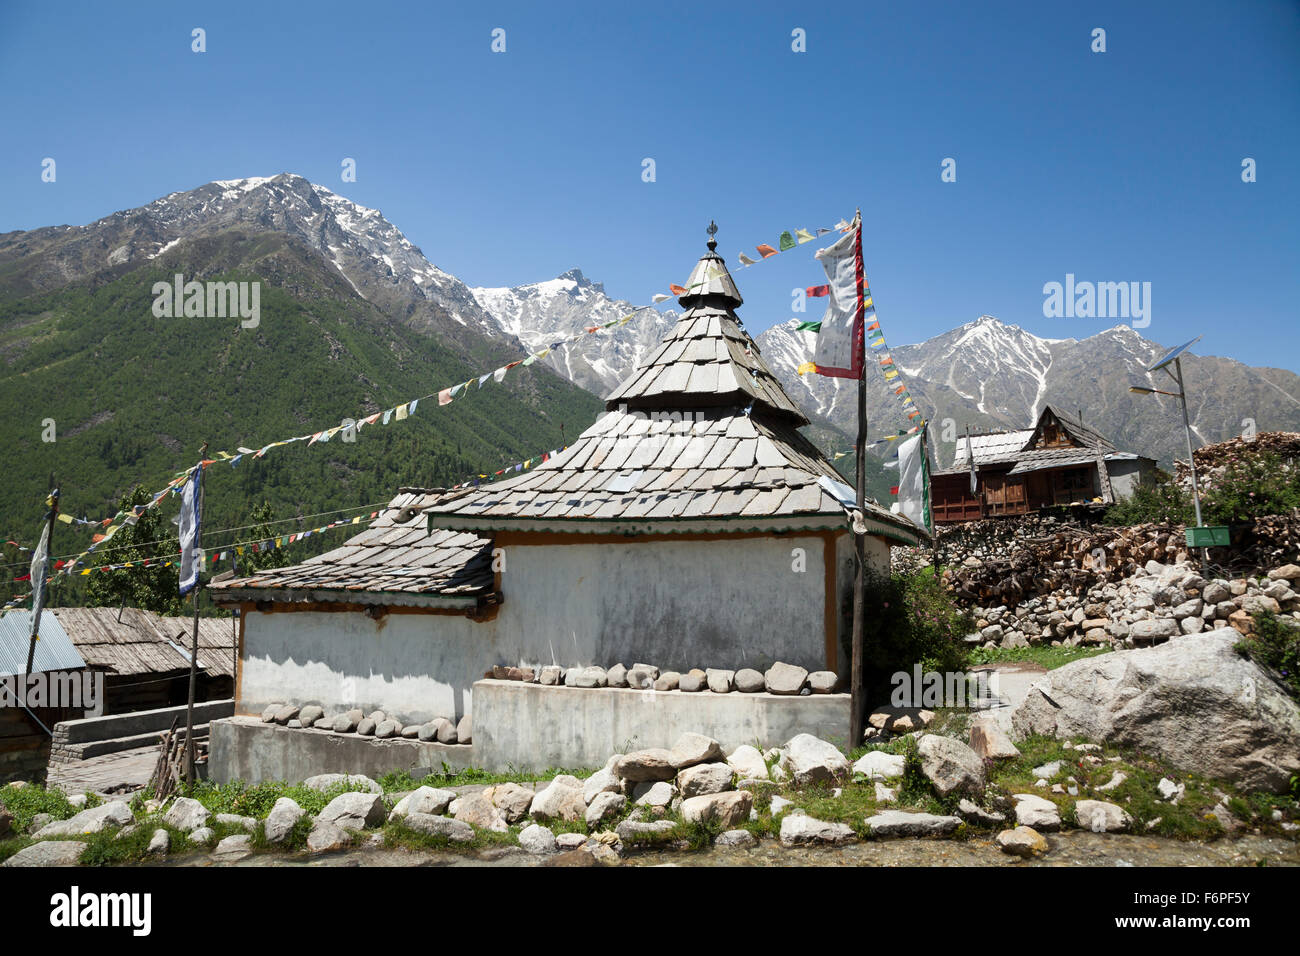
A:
{"points": [[107, 773]]}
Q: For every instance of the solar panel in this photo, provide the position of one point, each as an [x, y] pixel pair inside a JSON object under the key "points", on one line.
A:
{"points": [[1172, 354]]}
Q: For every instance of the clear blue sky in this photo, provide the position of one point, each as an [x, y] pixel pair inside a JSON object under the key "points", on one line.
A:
{"points": [[511, 168]]}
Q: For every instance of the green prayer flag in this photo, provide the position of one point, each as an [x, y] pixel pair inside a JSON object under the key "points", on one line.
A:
{"points": [[787, 241], [808, 327]]}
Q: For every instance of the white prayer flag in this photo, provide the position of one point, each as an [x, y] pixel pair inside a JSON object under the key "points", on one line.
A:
{"points": [[838, 352], [913, 482], [40, 564], [190, 520]]}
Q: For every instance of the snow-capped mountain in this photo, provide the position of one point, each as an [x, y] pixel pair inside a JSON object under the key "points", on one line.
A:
{"points": [[541, 313], [991, 375], [379, 262]]}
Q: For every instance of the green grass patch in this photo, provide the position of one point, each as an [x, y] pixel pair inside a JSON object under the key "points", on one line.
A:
{"points": [[1043, 655], [30, 799]]}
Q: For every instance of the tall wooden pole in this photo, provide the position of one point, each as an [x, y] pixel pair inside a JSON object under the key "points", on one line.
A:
{"points": [[194, 639], [39, 586], [857, 703]]}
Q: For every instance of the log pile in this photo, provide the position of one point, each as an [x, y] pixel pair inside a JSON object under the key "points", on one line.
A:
{"points": [[1212, 461], [1070, 560], [169, 772]]}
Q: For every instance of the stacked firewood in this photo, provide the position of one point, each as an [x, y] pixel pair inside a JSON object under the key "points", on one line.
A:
{"points": [[1212, 461], [1070, 560], [169, 772]]}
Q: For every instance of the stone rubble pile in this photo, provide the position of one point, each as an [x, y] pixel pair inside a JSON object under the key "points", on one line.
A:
{"points": [[1155, 603]]}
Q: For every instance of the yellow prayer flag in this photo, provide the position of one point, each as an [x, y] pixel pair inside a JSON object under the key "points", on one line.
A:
{"points": [[806, 367], [401, 412]]}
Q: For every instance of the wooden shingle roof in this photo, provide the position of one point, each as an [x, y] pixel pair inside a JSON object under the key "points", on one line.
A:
{"points": [[397, 556], [129, 641]]}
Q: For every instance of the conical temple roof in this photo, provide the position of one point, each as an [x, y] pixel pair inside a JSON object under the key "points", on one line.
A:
{"points": [[707, 360], [701, 438]]}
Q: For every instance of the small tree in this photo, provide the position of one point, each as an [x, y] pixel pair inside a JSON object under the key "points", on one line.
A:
{"points": [[153, 588], [251, 562]]}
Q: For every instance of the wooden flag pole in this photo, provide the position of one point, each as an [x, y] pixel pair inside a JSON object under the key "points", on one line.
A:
{"points": [[39, 586], [857, 704], [194, 639]]}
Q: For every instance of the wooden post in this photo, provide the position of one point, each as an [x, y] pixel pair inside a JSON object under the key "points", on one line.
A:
{"points": [[194, 639], [856, 702], [39, 586]]}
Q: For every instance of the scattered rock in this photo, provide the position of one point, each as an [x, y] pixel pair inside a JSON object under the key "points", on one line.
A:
{"points": [[749, 681], [1034, 811], [692, 682], [1024, 842], [886, 794], [779, 805], [809, 760], [355, 811], [279, 823], [234, 848], [324, 781], [659, 793], [668, 680], [430, 800], [605, 805], [478, 811], [653, 764], [974, 813], [326, 837], [747, 761], [704, 778], [1101, 817], [738, 839], [823, 682], [602, 781], [538, 840], [990, 741], [551, 675], [513, 800], [48, 853], [616, 676], [559, 801], [387, 728], [1048, 770], [186, 814], [310, 714], [900, 823], [202, 836], [726, 809], [878, 765], [344, 724], [286, 713], [720, 681], [106, 816], [692, 749], [801, 830], [951, 766], [1170, 791], [431, 825], [160, 843], [1118, 777]]}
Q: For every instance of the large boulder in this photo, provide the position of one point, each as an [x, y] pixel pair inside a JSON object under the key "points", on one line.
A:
{"points": [[279, 823], [478, 811], [899, 823], [951, 766], [512, 799], [454, 830], [691, 749], [801, 830], [704, 778], [106, 816], [653, 764], [48, 853], [809, 759], [430, 800], [356, 781], [728, 809], [1194, 701], [354, 811], [878, 765], [559, 801], [186, 814], [747, 761], [1102, 817], [990, 741]]}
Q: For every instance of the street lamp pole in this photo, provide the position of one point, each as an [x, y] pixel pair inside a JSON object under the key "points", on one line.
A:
{"points": [[1187, 425]]}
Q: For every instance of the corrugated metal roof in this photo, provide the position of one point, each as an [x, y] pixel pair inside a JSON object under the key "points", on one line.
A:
{"points": [[991, 447], [54, 651]]}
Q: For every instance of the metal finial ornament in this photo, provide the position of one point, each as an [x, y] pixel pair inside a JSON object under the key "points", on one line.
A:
{"points": [[712, 231]]}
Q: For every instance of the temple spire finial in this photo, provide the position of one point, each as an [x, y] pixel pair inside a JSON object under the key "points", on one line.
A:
{"points": [[712, 231]]}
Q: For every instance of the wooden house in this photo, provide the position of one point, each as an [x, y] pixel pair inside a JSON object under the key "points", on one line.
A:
{"points": [[25, 728], [1059, 462]]}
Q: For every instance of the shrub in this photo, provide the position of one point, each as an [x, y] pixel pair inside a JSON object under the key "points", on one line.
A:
{"points": [[912, 619], [1161, 501], [1275, 644], [1251, 487]]}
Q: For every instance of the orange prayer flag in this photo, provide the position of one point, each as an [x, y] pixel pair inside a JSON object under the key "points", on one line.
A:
{"points": [[765, 250], [677, 290]]}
